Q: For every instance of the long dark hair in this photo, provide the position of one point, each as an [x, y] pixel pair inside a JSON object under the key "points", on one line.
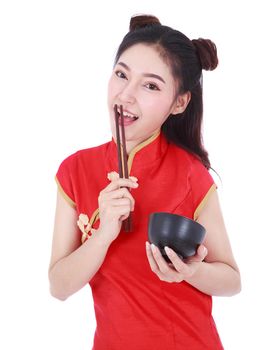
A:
{"points": [[186, 58]]}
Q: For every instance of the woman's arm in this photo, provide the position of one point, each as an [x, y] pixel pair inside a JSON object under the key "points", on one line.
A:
{"points": [[73, 265], [218, 274]]}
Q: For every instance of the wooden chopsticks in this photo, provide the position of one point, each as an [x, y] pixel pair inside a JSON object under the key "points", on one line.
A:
{"points": [[122, 157]]}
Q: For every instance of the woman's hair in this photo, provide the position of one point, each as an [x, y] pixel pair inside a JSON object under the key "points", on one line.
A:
{"points": [[186, 59]]}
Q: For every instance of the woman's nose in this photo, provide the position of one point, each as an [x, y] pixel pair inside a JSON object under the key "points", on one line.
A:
{"points": [[127, 94]]}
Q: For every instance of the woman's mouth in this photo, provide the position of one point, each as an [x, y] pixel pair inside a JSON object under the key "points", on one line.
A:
{"points": [[127, 118]]}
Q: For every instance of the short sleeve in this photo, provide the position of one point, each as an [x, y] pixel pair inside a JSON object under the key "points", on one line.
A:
{"points": [[64, 179], [202, 186]]}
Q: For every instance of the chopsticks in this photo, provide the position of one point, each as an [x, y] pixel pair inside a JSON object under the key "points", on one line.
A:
{"points": [[122, 158]]}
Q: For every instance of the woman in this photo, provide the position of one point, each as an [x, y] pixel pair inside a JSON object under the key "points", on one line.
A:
{"points": [[157, 78]]}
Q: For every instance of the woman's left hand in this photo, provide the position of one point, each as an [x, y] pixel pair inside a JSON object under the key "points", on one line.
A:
{"points": [[178, 270]]}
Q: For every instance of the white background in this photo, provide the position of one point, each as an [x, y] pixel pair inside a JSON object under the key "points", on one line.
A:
{"points": [[56, 57]]}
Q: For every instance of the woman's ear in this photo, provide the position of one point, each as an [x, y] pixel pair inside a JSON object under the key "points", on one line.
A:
{"points": [[181, 103]]}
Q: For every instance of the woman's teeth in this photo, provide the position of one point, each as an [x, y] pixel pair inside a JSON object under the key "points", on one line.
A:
{"points": [[129, 116]]}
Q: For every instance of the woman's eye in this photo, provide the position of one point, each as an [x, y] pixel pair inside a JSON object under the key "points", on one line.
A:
{"points": [[151, 86], [120, 74]]}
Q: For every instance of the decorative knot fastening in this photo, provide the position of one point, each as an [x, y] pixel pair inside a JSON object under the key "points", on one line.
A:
{"points": [[85, 227]]}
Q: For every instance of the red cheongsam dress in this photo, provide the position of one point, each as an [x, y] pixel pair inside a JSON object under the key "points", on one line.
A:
{"points": [[134, 310]]}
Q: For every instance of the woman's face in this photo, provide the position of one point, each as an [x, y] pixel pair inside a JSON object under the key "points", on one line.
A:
{"points": [[142, 82]]}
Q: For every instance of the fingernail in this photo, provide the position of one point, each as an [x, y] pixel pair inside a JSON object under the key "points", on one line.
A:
{"points": [[168, 251], [147, 244], [113, 175], [153, 247]]}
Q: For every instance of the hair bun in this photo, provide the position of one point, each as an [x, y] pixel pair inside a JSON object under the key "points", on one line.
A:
{"points": [[141, 21], [207, 53]]}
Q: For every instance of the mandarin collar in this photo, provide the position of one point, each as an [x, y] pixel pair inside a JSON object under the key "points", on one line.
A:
{"points": [[144, 153]]}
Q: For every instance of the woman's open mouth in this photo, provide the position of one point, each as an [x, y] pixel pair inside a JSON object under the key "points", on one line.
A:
{"points": [[128, 118]]}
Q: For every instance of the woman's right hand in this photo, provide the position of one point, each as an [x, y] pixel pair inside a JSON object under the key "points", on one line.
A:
{"points": [[115, 204]]}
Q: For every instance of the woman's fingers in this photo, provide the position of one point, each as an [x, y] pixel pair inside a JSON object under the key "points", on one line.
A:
{"points": [[200, 255], [113, 175], [179, 270], [162, 264], [116, 207], [121, 182], [152, 262], [118, 202], [117, 189], [160, 267], [118, 193], [115, 203], [178, 264], [117, 197]]}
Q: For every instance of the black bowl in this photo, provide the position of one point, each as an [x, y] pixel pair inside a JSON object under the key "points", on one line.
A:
{"points": [[177, 232]]}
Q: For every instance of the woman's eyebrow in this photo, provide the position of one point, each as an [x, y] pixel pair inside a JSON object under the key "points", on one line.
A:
{"points": [[147, 75]]}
